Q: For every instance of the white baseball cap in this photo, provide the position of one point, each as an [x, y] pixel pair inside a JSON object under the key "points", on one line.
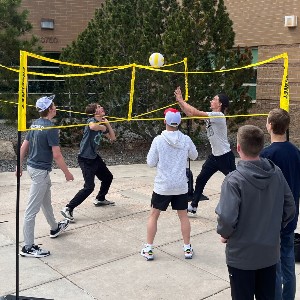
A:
{"points": [[172, 117], [44, 102]]}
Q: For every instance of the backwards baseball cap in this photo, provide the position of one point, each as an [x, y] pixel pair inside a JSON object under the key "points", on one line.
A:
{"points": [[44, 102], [172, 117], [223, 98]]}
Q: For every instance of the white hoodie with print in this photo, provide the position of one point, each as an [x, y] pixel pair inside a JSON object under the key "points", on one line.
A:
{"points": [[169, 153]]}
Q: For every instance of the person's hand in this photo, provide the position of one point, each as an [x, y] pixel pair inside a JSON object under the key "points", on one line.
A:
{"points": [[104, 120], [16, 172], [178, 95], [223, 240], [69, 176]]}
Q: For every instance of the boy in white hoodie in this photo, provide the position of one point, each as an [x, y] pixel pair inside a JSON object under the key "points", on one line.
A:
{"points": [[169, 152]]}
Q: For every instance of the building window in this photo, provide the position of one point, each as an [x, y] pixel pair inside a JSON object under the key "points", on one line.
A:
{"points": [[252, 83], [47, 24]]}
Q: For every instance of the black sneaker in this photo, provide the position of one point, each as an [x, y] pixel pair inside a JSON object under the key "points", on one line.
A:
{"points": [[62, 226], [34, 251], [203, 197], [103, 202]]}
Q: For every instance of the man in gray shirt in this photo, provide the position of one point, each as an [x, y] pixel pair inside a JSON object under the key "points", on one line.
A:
{"points": [[90, 162], [42, 146]]}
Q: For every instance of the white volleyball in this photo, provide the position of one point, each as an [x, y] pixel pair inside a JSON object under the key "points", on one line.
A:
{"points": [[156, 60]]}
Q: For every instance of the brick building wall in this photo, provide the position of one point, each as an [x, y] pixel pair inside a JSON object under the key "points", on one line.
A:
{"points": [[70, 17], [260, 24]]}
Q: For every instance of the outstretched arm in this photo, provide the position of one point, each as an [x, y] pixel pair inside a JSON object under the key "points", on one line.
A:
{"points": [[188, 109]]}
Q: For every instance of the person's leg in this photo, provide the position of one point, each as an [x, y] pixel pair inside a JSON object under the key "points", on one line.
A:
{"points": [[278, 283], [106, 178], [147, 251], [152, 225], [209, 168], [242, 283], [226, 163], [88, 172], [185, 226], [158, 203], [265, 280], [39, 186], [287, 260], [47, 206]]}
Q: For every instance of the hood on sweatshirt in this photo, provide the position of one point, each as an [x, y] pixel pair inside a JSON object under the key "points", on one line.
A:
{"points": [[174, 138], [256, 172]]}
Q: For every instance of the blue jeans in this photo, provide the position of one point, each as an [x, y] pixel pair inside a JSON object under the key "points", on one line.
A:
{"points": [[285, 273]]}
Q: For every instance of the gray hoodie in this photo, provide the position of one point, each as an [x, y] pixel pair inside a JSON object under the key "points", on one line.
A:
{"points": [[169, 153], [255, 203]]}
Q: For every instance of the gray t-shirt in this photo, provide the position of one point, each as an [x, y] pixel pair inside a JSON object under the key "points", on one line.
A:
{"points": [[40, 155], [216, 130], [90, 141]]}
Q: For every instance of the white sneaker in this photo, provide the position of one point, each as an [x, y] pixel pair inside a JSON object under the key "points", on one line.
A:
{"points": [[188, 251], [191, 211], [68, 214], [147, 253]]}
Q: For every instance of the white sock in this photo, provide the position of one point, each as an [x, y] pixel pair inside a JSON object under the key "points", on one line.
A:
{"points": [[149, 245]]}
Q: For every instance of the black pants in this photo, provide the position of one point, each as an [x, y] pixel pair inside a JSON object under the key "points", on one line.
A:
{"points": [[224, 163], [91, 168], [245, 284]]}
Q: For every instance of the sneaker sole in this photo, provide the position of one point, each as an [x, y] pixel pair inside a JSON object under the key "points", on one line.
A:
{"points": [[188, 257], [104, 204], [148, 258], [33, 256], [192, 215], [65, 216]]}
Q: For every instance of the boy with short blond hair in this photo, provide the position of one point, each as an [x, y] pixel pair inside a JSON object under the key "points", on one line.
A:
{"points": [[255, 203]]}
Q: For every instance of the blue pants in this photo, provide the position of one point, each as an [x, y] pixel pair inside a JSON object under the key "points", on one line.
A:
{"points": [[285, 273]]}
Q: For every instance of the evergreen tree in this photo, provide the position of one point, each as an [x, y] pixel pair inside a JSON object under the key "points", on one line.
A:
{"points": [[123, 32], [13, 27]]}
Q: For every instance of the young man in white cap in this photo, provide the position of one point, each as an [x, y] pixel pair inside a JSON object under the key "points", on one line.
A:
{"points": [[222, 158], [42, 147], [169, 153]]}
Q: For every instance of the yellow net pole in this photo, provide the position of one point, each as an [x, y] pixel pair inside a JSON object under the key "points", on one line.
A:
{"points": [[22, 92], [131, 92], [186, 79], [285, 94]]}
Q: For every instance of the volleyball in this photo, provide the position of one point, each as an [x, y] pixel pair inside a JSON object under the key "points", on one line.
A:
{"points": [[156, 60]]}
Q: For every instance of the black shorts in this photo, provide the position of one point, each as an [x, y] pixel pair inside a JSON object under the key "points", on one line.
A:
{"points": [[161, 202]]}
